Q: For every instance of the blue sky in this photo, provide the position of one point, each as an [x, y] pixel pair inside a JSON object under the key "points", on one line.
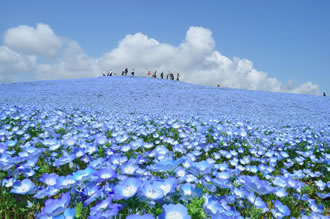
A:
{"points": [[288, 40]]}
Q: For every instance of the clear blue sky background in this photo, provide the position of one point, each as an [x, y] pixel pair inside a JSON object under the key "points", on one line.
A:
{"points": [[286, 39]]}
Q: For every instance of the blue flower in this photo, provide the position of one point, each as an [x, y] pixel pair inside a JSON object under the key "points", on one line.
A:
{"points": [[280, 210], [64, 182], [129, 168], [49, 178], [165, 165], [3, 148], [55, 207], [166, 185], [200, 168], [101, 206], [151, 192], [172, 211], [281, 192], [127, 188], [189, 191], [136, 216], [254, 184], [256, 201], [23, 187], [106, 173], [68, 213], [82, 175]]}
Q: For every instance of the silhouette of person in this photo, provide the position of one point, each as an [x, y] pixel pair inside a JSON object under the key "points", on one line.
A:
{"points": [[162, 75], [132, 73], [324, 94]]}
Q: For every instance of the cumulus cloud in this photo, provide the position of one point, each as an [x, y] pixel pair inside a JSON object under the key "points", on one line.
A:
{"points": [[29, 40], [195, 58], [73, 62], [13, 64]]}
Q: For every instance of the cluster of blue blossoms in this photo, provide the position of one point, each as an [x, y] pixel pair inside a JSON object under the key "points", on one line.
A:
{"points": [[70, 163]]}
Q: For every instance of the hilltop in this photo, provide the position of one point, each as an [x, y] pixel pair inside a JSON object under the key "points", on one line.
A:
{"points": [[156, 97]]}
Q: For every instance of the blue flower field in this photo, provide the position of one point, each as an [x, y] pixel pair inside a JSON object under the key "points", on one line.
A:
{"points": [[123, 147]]}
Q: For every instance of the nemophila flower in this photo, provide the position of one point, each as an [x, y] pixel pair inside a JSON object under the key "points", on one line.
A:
{"points": [[3, 148], [136, 216], [64, 160], [23, 187], [165, 165], [44, 192], [200, 168], [167, 185], [221, 166], [256, 201], [224, 184], [93, 194], [97, 163], [315, 207], [11, 143], [239, 192], [280, 192], [54, 207], [8, 182], [28, 172], [280, 181], [49, 178], [172, 211], [320, 185], [129, 168], [254, 184], [280, 210], [223, 175], [112, 211], [100, 206], [323, 196], [212, 205], [106, 173], [149, 191], [189, 191], [64, 182], [180, 172], [82, 175], [127, 188]]}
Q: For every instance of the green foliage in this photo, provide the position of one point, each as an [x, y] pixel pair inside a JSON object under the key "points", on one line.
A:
{"points": [[195, 208], [81, 212]]}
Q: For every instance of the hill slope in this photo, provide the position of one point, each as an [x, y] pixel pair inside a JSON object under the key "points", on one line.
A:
{"points": [[157, 97]]}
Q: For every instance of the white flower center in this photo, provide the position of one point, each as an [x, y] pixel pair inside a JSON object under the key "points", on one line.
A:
{"points": [[51, 181], [129, 190], [174, 215], [23, 188]]}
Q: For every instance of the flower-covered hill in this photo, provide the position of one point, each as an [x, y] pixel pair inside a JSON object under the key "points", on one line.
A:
{"points": [[157, 97], [122, 147]]}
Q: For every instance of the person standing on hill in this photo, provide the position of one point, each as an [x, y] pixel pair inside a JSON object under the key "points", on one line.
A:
{"points": [[324, 94], [132, 73], [154, 74], [162, 75], [126, 71], [149, 73], [177, 77]]}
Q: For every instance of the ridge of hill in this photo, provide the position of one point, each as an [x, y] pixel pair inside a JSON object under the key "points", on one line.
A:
{"points": [[156, 97]]}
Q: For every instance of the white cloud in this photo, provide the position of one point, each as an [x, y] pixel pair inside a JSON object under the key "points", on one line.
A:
{"points": [[36, 41], [71, 63], [195, 59], [13, 64]]}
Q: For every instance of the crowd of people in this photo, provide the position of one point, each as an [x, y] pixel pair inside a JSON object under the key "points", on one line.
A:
{"points": [[169, 76]]}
